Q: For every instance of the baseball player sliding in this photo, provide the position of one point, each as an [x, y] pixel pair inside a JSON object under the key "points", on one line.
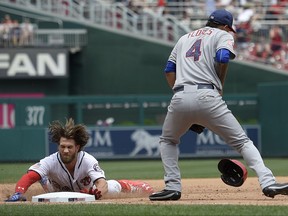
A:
{"points": [[72, 169], [196, 71]]}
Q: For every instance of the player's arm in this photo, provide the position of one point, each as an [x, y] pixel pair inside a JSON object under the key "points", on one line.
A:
{"points": [[26, 181], [101, 185], [22, 186], [170, 73], [222, 69], [222, 59], [101, 188]]}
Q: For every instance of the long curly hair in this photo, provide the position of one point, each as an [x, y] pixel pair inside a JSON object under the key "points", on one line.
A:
{"points": [[69, 131]]}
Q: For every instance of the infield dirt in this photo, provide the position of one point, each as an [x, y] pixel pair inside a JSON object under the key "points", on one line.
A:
{"points": [[195, 191]]}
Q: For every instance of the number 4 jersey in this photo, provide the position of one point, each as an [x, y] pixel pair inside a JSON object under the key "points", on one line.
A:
{"points": [[195, 61]]}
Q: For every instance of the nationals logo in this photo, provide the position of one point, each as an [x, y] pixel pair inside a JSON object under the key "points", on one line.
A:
{"points": [[97, 168]]}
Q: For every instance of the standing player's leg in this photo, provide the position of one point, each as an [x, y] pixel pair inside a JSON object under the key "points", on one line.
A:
{"points": [[176, 124], [224, 124]]}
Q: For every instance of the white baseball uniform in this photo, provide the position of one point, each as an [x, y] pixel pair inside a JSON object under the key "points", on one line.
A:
{"points": [[55, 177], [197, 101]]}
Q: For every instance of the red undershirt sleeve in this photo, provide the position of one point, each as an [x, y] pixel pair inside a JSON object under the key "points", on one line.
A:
{"points": [[26, 181]]}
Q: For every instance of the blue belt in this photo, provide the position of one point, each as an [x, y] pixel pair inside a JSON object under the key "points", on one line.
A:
{"points": [[199, 86]]}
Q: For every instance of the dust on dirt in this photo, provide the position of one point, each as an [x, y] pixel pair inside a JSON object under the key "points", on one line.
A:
{"points": [[195, 191]]}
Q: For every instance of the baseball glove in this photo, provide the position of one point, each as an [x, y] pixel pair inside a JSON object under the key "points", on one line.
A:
{"points": [[234, 173], [197, 128]]}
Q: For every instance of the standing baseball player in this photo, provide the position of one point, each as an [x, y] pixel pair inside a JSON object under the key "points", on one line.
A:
{"points": [[72, 169], [196, 71]]}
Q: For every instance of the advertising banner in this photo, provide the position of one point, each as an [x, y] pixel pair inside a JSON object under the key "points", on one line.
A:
{"points": [[33, 63], [143, 142]]}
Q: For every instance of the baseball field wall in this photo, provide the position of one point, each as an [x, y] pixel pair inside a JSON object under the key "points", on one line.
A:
{"points": [[123, 66], [135, 134], [273, 115]]}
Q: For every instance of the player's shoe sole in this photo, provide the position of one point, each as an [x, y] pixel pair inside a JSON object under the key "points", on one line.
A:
{"points": [[165, 195], [275, 189]]}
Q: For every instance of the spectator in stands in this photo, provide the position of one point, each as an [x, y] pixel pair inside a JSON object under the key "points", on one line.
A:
{"points": [[246, 13], [161, 4], [276, 38], [65, 7], [2, 30], [15, 33], [7, 20], [223, 3], [285, 56], [132, 6], [244, 27], [242, 2], [243, 31], [27, 32], [260, 51], [233, 7], [210, 6], [186, 21], [275, 11], [7, 24]]}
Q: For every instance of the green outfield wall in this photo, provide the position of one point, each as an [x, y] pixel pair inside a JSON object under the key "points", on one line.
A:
{"points": [[117, 65], [273, 115], [23, 122]]}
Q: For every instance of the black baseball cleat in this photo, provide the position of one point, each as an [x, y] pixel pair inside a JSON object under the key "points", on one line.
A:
{"points": [[275, 189], [165, 195]]}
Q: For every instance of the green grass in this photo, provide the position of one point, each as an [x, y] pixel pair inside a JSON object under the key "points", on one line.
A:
{"points": [[150, 169], [135, 210]]}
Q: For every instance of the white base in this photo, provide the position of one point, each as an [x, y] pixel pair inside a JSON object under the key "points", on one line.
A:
{"points": [[63, 197]]}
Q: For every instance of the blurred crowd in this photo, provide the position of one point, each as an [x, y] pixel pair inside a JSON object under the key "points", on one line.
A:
{"points": [[261, 25], [262, 37], [14, 34]]}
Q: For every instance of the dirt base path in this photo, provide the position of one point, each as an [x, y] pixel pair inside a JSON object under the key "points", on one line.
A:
{"points": [[195, 191]]}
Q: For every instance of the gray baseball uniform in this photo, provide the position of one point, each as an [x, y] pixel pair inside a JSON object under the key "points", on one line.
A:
{"points": [[197, 101]]}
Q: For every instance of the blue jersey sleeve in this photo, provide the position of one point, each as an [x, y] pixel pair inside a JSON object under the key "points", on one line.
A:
{"points": [[170, 67], [222, 56]]}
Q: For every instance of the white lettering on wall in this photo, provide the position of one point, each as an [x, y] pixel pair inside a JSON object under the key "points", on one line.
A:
{"points": [[21, 64], [209, 138], [35, 115], [33, 64], [57, 68]]}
